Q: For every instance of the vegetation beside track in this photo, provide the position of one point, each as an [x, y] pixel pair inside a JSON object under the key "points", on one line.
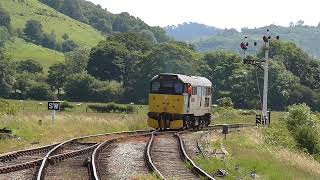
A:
{"points": [[33, 126], [273, 152]]}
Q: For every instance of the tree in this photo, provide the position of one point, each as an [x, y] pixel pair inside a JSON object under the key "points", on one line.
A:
{"points": [[77, 60], [171, 57], [78, 87], [68, 45], [6, 75], [57, 75], [300, 23], [302, 124], [72, 8], [30, 66], [49, 40], [65, 36], [4, 36], [40, 91], [132, 41], [106, 61], [52, 3], [33, 31], [5, 19]]}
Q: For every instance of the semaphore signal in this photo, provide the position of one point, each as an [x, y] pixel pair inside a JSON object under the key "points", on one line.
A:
{"points": [[263, 64]]}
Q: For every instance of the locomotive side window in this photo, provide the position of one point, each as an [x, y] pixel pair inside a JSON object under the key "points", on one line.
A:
{"points": [[206, 102], [199, 91], [194, 90], [208, 91]]}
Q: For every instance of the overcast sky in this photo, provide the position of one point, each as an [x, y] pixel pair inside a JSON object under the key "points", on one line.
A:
{"points": [[218, 13]]}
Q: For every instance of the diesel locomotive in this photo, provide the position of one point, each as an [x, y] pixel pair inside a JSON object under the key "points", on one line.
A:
{"points": [[179, 101]]}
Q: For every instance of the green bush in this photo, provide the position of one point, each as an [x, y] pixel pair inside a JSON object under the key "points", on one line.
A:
{"points": [[302, 124], [65, 105], [111, 107], [278, 135], [225, 102], [7, 108]]}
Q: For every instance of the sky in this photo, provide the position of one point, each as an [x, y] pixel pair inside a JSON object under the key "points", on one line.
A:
{"points": [[218, 13]]}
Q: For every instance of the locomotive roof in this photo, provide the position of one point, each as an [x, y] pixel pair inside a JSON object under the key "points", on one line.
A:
{"points": [[193, 80]]}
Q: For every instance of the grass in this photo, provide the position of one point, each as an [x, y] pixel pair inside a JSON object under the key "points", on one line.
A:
{"points": [[248, 151], [20, 12], [26, 126], [19, 50], [51, 20], [231, 116]]}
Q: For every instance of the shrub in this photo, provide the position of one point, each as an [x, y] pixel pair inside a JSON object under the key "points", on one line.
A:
{"points": [[278, 135], [111, 107], [65, 105], [302, 124], [225, 102], [40, 91], [7, 108]]}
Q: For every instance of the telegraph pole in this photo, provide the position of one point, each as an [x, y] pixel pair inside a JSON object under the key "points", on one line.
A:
{"points": [[266, 76]]}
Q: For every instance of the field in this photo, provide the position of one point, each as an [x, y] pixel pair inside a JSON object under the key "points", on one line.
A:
{"points": [[33, 126], [18, 50]]}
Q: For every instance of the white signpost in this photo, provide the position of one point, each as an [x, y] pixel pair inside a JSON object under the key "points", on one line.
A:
{"points": [[54, 106]]}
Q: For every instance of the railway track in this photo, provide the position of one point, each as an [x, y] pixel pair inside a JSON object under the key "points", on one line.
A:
{"points": [[32, 163], [166, 155], [46, 161], [120, 158]]}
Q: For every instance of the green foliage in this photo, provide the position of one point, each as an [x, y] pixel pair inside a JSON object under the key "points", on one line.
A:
{"points": [[277, 134], [302, 94], [65, 106], [107, 61], [33, 31], [5, 19], [6, 75], [297, 61], [302, 123], [306, 37], [111, 107], [4, 36], [29, 66], [39, 91], [57, 76], [77, 60], [83, 87], [7, 108], [71, 8], [68, 45], [225, 102], [103, 20]]}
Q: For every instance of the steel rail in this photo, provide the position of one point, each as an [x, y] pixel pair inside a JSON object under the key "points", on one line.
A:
{"points": [[94, 157], [44, 164], [148, 158], [186, 158]]}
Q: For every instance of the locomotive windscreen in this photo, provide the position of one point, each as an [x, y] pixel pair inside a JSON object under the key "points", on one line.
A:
{"points": [[167, 85]]}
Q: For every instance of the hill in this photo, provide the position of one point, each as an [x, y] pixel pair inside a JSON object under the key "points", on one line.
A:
{"points": [[103, 20], [306, 37], [191, 31], [52, 21]]}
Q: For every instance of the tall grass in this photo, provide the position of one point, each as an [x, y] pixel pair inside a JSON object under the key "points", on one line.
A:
{"points": [[37, 128], [249, 153]]}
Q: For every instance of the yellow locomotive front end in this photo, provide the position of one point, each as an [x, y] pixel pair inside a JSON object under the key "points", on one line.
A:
{"points": [[167, 103]]}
